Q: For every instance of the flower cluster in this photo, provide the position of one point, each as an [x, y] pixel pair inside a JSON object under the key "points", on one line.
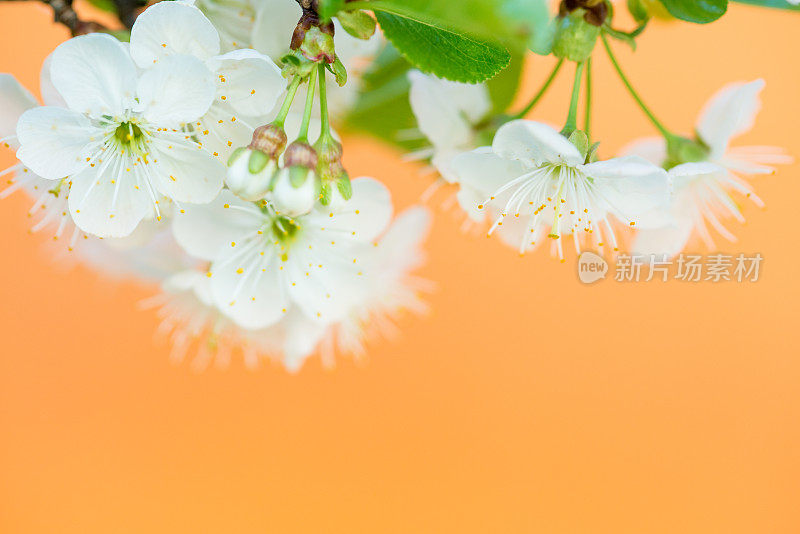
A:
{"points": [[201, 156], [534, 184], [140, 155]]}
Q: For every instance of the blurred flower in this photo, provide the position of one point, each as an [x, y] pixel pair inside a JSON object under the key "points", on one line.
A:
{"points": [[702, 189], [193, 320], [535, 184], [447, 113]]}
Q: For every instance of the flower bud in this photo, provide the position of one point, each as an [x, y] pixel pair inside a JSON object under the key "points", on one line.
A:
{"points": [[295, 188], [575, 37], [357, 23], [295, 191], [250, 173], [318, 45], [269, 139], [331, 172]]}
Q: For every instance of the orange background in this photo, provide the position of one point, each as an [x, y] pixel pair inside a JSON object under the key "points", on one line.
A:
{"points": [[525, 402]]}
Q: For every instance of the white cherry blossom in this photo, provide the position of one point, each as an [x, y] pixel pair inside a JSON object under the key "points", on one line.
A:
{"points": [[702, 190], [447, 113], [248, 83], [263, 262], [536, 185], [199, 330], [120, 140]]}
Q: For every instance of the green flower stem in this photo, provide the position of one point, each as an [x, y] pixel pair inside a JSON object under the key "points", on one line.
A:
{"points": [[287, 102], [312, 82], [572, 116], [587, 119], [325, 130], [659, 126], [542, 91]]}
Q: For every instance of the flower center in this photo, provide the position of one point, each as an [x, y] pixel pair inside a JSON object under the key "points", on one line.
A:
{"points": [[129, 136]]}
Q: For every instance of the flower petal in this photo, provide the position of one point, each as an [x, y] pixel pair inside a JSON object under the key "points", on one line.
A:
{"points": [[534, 142], [253, 295], [301, 339], [445, 110], [94, 74], [187, 174], [107, 206], [272, 30], [56, 142], [178, 90], [169, 28], [668, 240], [50, 95], [730, 112], [14, 101], [485, 172], [362, 218], [631, 185], [207, 231], [220, 131], [322, 290], [248, 81], [653, 149]]}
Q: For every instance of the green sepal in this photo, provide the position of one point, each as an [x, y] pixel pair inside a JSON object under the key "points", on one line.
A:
{"points": [[344, 186], [638, 11], [298, 175], [235, 155], [592, 156], [325, 193], [339, 71], [581, 142], [257, 162]]}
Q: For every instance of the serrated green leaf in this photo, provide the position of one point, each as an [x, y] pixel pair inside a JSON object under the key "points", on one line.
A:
{"points": [[480, 18], [699, 11], [443, 52], [778, 4]]}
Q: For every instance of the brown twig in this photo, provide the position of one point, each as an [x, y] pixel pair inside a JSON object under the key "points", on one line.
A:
{"points": [[63, 13]]}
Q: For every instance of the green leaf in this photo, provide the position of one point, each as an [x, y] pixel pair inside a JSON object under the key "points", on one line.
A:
{"points": [[503, 87], [328, 8], [444, 52], [779, 4], [481, 18], [699, 11], [533, 21], [382, 109], [105, 5]]}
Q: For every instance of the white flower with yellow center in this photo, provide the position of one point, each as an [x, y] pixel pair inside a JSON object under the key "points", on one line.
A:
{"points": [[536, 185], [136, 119], [263, 262], [702, 189]]}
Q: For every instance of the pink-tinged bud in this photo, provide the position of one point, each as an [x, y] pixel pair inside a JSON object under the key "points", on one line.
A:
{"points": [[270, 139]]}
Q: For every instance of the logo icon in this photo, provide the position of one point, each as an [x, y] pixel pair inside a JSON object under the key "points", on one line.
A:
{"points": [[591, 267]]}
